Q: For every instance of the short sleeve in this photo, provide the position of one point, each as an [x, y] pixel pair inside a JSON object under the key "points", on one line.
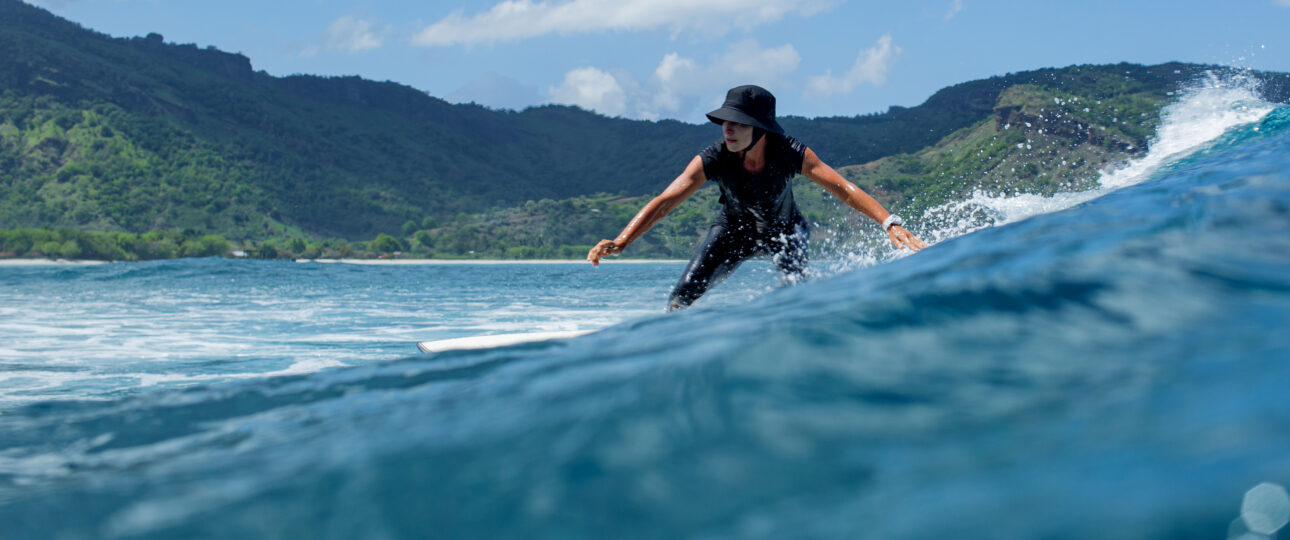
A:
{"points": [[711, 156], [796, 151]]}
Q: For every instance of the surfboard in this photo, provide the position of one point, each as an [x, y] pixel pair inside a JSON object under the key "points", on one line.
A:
{"points": [[496, 340]]}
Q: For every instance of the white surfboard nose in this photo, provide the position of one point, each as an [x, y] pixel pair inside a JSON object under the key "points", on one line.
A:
{"points": [[496, 340]]}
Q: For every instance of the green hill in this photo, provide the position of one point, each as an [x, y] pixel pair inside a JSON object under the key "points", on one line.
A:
{"points": [[136, 135]]}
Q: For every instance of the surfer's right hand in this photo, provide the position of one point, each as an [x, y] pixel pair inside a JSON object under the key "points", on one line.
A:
{"points": [[603, 249]]}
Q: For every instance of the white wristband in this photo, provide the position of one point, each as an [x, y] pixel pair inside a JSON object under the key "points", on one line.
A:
{"points": [[892, 219]]}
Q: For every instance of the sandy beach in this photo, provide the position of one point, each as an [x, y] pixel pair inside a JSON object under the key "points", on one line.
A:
{"points": [[44, 262]]}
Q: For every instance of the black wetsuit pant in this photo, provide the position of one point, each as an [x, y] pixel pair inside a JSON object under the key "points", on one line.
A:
{"points": [[731, 242]]}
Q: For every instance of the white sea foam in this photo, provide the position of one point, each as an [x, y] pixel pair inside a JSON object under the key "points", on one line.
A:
{"points": [[1201, 114], [300, 367], [107, 335]]}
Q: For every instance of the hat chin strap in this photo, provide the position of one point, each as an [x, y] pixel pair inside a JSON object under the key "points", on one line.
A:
{"points": [[758, 133]]}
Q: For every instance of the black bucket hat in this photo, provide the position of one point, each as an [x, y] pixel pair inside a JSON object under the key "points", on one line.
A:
{"points": [[749, 105]]}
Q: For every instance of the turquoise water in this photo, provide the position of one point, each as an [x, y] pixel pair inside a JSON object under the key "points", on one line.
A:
{"points": [[1109, 365], [103, 331]]}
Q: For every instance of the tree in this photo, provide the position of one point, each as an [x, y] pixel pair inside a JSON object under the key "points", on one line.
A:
{"points": [[385, 243]]}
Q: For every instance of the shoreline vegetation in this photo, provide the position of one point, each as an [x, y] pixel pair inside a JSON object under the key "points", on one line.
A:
{"points": [[38, 247], [74, 245]]}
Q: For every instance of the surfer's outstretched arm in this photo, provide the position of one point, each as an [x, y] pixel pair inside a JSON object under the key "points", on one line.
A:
{"points": [[824, 175], [677, 192]]}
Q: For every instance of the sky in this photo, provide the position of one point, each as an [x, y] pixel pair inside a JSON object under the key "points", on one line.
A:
{"points": [[661, 59]]}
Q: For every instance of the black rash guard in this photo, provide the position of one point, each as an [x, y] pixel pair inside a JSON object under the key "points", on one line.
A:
{"points": [[764, 199], [758, 217]]}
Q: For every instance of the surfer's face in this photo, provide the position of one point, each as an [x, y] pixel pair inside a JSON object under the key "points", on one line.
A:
{"points": [[737, 136]]}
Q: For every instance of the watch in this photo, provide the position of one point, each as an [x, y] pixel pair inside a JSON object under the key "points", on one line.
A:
{"points": [[892, 220]]}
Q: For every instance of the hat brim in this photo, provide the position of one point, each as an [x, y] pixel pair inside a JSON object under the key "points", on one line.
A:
{"points": [[735, 115]]}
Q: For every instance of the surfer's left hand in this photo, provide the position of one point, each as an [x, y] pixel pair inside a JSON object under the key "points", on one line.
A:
{"points": [[902, 238]]}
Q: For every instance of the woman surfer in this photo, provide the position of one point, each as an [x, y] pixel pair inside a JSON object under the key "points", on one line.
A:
{"points": [[754, 165]]}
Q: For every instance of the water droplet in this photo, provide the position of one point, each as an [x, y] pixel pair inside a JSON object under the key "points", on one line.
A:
{"points": [[1238, 531], [1266, 508]]}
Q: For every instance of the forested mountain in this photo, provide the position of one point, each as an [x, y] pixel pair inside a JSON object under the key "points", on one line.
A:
{"points": [[136, 135]]}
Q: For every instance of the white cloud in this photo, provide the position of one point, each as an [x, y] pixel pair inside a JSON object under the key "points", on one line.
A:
{"points": [[519, 19], [591, 89], [957, 5], [681, 86], [671, 72], [352, 34], [870, 68]]}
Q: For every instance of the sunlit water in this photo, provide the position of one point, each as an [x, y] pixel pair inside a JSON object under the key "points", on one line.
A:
{"points": [[102, 331], [1107, 367]]}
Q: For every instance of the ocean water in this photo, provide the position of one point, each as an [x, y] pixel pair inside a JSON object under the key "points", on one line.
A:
{"points": [[1109, 364], [107, 331]]}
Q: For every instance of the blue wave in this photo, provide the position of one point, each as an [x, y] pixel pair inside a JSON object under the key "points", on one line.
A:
{"points": [[1116, 370]]}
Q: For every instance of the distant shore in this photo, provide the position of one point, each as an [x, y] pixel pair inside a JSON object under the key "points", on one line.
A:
{"points": [[391, 262], [483, 261]]}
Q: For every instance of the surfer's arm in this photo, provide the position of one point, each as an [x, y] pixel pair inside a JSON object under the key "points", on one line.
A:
{"points": [[824, 175], [677, 192]]}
